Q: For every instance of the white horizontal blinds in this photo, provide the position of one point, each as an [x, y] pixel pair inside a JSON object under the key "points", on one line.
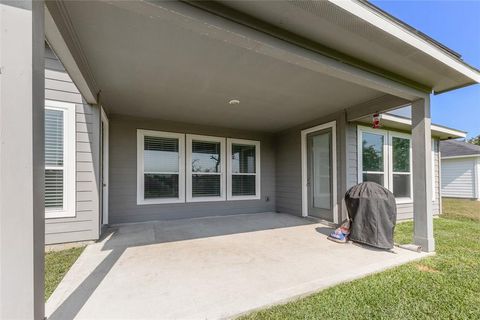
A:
{"points": [[373, 157], [206, 168], [243, 169], [54, 159], [161, 167], [401, 171]]}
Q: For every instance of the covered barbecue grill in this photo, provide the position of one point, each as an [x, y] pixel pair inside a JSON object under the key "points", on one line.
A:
{"points": [[373, 213]]}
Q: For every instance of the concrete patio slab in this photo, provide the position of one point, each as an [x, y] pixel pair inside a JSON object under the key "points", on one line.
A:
{"points": [[209, 268]]}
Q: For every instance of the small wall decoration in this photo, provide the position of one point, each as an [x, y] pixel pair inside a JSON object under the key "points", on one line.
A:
{"points": [[376, 121]]}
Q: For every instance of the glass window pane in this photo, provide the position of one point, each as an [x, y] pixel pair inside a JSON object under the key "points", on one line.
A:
{"points": [[205, 156], [206, 185], [321, 165], [161, 186], [401, 185], [243, 185], [54, 189], [401, 154], [160, 155], [243, 158], [373, 177], [53, 137], [372, 152]]}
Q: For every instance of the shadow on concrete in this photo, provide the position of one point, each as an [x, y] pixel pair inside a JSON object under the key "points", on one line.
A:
{"points": [[118, 239]]}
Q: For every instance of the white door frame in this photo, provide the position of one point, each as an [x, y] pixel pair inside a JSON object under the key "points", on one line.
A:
{"points": [[105, 182], [304, 133]]}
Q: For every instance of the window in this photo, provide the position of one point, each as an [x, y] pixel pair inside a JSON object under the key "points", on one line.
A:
{"points": [[243, 181], [401, 178], [205, 168], [385, 158], [373, 156], [161, 167], [59, 159]]}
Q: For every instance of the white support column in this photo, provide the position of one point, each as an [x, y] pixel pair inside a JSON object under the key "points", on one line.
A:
{"points": [[22, 159], [422, 175]]}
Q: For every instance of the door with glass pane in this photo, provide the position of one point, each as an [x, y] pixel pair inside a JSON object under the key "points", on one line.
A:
{"points": [[320, 175]]}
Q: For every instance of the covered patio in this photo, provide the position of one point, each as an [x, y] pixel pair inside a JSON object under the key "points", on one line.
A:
{"points": [[210, 268]]}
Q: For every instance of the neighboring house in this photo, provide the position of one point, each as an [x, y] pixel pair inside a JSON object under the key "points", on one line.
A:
{"points": [[73, 211], [460, 169]]}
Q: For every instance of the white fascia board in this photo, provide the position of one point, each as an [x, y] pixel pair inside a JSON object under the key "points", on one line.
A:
{"points": [[434, 127], [384, 23], [463, 156]]}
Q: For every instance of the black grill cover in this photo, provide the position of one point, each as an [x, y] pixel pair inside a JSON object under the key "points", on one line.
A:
{"points": [[373, 212]]}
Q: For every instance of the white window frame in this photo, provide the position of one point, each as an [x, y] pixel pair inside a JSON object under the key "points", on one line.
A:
{"points": [[69, 176], [190, 139], [360, 172], [391, 135], [387, 158], [140, 167], [257, 173]]}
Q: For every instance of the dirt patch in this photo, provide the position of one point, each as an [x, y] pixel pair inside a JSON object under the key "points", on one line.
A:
{"points": [[424, 268]]}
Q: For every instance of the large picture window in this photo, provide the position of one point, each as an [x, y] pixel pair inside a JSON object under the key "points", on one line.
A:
{"points": [[384, 157], [59, 159], [205, 168], [244, 169], [161, 167]]}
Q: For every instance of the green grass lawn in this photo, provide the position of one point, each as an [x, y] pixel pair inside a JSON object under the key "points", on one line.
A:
{"points": [[445, 286], [57, 264]]}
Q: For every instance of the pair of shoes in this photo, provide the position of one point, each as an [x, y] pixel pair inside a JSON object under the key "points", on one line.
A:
{"points": [[340, 235]]}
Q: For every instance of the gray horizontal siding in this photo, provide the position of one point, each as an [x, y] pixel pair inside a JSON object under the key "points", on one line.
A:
{"points": [[123, 174], [404, 210], [85, 225]]}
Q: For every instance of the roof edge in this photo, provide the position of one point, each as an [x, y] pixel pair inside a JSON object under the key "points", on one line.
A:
{"points": [[397, 28]]}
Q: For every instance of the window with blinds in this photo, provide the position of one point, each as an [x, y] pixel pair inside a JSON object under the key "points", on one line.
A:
{"points": [[161, 165], [205, 168], [54, 152], [59, 159], [244, 163]]}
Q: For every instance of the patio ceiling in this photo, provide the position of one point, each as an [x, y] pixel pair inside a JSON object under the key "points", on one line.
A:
{"points": [[148, 62]]}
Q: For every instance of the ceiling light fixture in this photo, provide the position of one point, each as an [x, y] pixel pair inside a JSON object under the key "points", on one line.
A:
{"points": [[234, 102]]}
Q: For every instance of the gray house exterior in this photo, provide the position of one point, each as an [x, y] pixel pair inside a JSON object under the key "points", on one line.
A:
{"points": [[192, 109], [460, 169], [280, 165]]}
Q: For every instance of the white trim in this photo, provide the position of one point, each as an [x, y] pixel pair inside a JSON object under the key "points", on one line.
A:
{"points": [[391, 135], [464, 156], [433, 171], [189, 173], [433, 127], [140, 167], [393, 28], [257, 174], [304, 133], [477, 179], [69, 165], [105, 165], [387, 158]]}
